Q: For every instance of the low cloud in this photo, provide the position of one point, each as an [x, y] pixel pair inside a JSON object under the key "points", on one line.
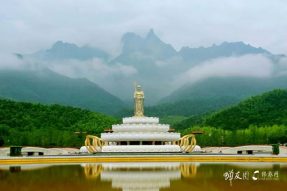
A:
{"points": [[92, 69], [96, 70], [281, 67], [171, 61], [244, 66], [116, 77], [10, 61]]}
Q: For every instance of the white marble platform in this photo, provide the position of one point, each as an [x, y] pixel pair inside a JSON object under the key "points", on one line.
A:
{"points": [[140, 120], [141, 148], [140, 136], [140, 127]]}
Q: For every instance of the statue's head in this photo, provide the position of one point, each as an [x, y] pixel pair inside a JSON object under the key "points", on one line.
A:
{"points": [[139, 88]]}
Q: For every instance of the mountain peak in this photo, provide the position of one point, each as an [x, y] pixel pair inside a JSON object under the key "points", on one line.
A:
{"points": [[235, 44], [225, 49], [130, 36], [152, 36], [64, 50], [150, 33], [60, 45], [243, 48], [150, 45]]}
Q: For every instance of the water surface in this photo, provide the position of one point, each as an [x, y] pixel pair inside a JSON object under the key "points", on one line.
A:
{"points": [[145, 176]]}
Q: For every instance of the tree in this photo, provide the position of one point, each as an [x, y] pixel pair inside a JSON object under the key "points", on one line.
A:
{"points": [[2, 142]]}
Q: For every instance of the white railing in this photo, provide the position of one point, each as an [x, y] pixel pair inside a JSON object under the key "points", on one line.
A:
{"points": [[140, 136]]}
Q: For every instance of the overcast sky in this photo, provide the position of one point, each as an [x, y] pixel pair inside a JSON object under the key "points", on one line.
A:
{"points": [[30, 25]]}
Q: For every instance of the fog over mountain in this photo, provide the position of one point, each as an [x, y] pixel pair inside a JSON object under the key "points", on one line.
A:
{"points": [[45, 86], [190, 56], [155, 64]]}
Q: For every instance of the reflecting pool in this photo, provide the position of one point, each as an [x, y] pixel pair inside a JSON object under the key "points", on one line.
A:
{"points": [[145, 176]]}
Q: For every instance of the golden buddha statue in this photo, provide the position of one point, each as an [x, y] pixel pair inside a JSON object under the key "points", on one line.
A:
{"points": [[139, 101]]}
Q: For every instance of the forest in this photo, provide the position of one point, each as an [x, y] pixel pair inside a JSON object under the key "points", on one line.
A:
{"points": [[252, 135], [30, 124], [260, 119]]}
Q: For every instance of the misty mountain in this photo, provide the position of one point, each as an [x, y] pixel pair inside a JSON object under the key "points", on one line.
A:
{"points": [[64, 50], [150, 47], [146, 54], [152, 51], [226, 49], [211, 95], [158, 67], [235, 87], [51, 88], [214, 93]]}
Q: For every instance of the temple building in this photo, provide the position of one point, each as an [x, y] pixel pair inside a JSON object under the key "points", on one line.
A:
{"points": [[140, 134]]}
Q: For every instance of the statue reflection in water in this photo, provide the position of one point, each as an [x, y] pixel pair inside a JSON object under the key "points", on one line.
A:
{"points": [[140, 176]]}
